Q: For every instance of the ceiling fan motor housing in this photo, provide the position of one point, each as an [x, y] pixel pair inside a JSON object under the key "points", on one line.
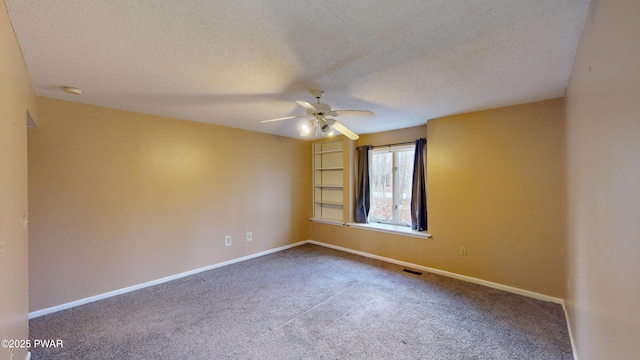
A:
{"points": [[320, 109]]}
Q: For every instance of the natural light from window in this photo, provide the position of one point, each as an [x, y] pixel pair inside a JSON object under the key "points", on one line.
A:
{"points": [[390, 180]]}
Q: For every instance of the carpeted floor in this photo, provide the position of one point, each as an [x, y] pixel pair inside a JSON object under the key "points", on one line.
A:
{"points": [[308, 302]]}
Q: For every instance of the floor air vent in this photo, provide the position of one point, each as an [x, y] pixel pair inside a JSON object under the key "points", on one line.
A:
{"points": [[412, 272]]}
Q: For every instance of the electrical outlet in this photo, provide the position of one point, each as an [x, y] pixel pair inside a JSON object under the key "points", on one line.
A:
{"points": [[249, 236], [463, 251], [227, 240]]}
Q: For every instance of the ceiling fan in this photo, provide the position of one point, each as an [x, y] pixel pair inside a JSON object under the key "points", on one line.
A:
{"points": [[320, 124]]}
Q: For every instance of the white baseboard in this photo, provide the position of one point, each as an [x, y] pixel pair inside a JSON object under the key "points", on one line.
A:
{"points": [[470, 279], [490, 284], [109, 294], [573, 344]]}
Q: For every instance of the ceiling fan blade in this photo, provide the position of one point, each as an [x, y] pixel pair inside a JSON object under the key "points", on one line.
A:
{"points": [[344, 131], [283, 118], [306, 105], [350, 113]]}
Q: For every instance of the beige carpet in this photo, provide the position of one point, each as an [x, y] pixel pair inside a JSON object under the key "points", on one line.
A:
{"points": [[309, 302]]}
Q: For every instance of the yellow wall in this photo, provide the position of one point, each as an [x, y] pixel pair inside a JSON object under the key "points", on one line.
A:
{"points": [[121, 198], [603, 178], [394, 136], [495, 185], [17, 96]]}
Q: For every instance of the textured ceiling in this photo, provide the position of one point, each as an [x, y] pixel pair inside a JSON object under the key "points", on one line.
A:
{"points": [[234, 63]]}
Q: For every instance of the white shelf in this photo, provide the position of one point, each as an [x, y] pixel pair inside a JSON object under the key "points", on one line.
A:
{"points": [[328, 202], [328, 182], [328, 151], [328, 168], [328, 221]]}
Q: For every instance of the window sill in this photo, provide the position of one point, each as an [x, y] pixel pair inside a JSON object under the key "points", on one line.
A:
{"points": [[392, 229]]}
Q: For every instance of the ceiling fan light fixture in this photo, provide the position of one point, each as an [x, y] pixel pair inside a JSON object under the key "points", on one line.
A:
{"points": [[327, 129], [306, 129], [320, 125], [323, 124]]}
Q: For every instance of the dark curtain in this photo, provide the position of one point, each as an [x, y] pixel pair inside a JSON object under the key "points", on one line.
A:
{"points": [[363, 201], [419, 190]]}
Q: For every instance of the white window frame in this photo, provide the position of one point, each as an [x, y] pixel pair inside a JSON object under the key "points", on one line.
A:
{"points": [[395, 191]]}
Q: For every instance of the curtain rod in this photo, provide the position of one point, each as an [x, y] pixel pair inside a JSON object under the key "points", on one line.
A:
{"points": [[389, 145]]}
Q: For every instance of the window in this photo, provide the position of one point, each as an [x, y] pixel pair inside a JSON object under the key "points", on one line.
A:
{"points": [[390, 179]]}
